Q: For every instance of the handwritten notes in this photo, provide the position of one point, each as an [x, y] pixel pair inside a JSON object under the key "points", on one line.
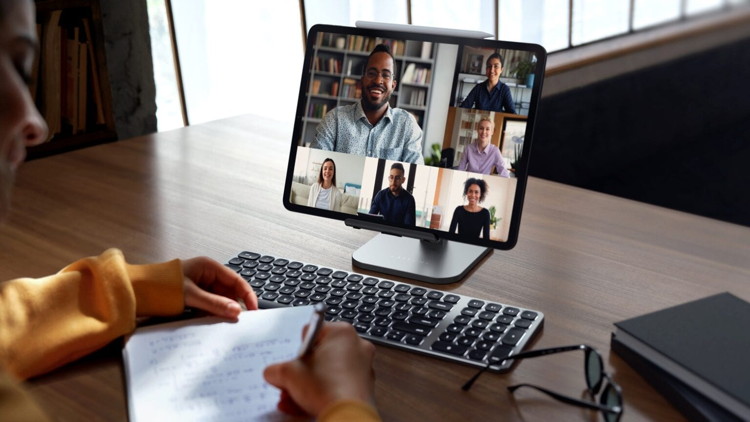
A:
{"points": [[208, 369]]}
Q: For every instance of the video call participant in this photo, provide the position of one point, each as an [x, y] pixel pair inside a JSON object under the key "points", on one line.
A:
{"points": [[48, 322], [491, 94], [395, 203], [472, 220], [324, 194], [371, 127], [482, 156]]}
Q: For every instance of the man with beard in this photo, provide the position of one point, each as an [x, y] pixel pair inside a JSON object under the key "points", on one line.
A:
{"points": [[395, 204], [491, 95], [372, 127]]}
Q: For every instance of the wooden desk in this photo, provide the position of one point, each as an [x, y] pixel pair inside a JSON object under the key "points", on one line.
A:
{"points": [[584, 258]]}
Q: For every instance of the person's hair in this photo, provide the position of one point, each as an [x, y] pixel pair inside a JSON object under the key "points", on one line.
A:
{"points": [[495, 56], [479, 182], [320, 173], [381, 48], [398, 166], [487, 119]]}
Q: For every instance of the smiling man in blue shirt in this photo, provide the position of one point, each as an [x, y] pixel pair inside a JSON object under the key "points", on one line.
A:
{"points": [[371, 127]]}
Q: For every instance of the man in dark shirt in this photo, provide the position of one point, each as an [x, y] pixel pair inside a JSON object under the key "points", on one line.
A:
{"points": [[491, 95], [395, 204]]}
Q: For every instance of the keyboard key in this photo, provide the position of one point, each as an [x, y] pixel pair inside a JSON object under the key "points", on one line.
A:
{"points": [[451, 299], [323, 272], [354, 278], [418, 291], [236, 261], [300, 302], [477, 354], [370, 281], [468, 312], [281, 262], [413, 339], [523, 323], [411, 328], [441, 306], [249, 255], [530, 315], [339, 275], [504, 319], [493, 307], [427, 322], [513, 336], [401, 288], [511, 311], [378, 331], [271, 296], [395, 335], [309, 268], [285, 300], [385, 284], [450, 348], [486, 315], [474, 303], [434, 295], [500, 353], [266, 259], [294, 266]]}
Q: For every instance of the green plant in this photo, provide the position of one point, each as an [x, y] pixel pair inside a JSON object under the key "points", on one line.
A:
{"points": [[517, 149], [523, 69], [434, 158], [493, 218]]}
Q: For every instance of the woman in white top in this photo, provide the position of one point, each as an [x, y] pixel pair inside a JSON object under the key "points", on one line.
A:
{"points": [[324, 194]]}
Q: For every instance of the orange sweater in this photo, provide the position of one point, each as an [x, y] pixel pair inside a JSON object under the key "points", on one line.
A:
{"points": [[48, 322]]}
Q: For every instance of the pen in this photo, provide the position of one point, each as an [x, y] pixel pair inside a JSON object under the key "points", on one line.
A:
{"points": [[313, 329]]}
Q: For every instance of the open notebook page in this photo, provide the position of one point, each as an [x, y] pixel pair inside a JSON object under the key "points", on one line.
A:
{"points": [[208, 369]]}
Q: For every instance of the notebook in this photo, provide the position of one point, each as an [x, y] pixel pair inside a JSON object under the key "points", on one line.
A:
{"points": [[210, 369], [704, 344]]}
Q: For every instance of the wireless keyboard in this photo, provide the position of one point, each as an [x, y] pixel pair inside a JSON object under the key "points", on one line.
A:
{"points": [[423, 320]]}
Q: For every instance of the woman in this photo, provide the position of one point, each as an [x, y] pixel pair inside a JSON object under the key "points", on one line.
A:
{"points": [[472, 220], [481, 156], [324, 194], [48, 322]]}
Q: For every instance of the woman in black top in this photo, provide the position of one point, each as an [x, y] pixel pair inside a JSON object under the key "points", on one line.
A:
{"points": [[471, 219]]}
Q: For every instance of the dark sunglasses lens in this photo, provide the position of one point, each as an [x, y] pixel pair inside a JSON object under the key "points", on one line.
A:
{"points": [[611, 399], [594, 370]]}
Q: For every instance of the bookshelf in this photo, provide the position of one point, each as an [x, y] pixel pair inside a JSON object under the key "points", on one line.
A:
{"points": [[338, 64], [70, 83]]}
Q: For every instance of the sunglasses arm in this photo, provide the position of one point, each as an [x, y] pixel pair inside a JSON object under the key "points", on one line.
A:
{"points": [[569, 400]]}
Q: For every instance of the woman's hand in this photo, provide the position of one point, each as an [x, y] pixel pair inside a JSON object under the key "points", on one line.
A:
{"points": [[215, 288], [338, 368]]}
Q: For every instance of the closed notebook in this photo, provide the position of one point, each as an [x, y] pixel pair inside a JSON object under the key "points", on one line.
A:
{"points": [[704, 344]]}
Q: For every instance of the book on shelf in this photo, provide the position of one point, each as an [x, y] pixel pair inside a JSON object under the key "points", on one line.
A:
{"points": [[65, 80], [51, 67], [426, 50], [702, 344]]}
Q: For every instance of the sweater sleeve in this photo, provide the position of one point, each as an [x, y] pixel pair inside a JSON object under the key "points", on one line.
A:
{"points": [[349, 410], [48, 322]]}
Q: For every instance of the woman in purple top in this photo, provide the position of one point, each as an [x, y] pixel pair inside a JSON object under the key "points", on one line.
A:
{"points": [[481, 156], [472, 220]]}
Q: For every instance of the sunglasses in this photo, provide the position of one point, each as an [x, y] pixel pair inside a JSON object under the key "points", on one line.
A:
{"points": [[610, 400]]}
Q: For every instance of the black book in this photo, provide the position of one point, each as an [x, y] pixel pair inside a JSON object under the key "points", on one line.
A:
{"points": [[703, 345], [691, 403]]}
